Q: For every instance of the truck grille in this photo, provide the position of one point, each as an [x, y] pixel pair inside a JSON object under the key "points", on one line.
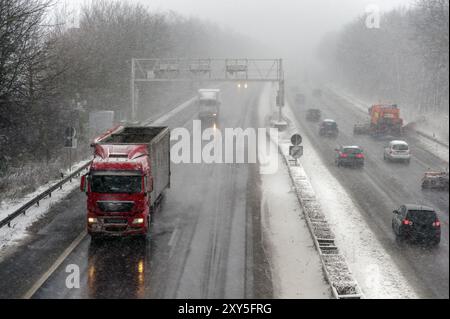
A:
{"points": [[115, 207], [115, 221]]}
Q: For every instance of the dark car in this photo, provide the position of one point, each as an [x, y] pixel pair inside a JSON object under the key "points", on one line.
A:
{"points": [[417, 223], [350, 156], [313, 115], [328, 128]]}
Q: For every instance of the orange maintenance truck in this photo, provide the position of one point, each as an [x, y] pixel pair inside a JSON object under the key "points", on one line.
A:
{"points": [[384, 120]]}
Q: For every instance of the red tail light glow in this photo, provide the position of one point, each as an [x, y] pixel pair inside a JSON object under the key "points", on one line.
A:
{"points": [[344, 155], [359, 155], [437, 224], [407, 222]]}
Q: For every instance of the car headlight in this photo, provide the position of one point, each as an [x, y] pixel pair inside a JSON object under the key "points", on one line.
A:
{"points": [[138, 221], [92, 220]]}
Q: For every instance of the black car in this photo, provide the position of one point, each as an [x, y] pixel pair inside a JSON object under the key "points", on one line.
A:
{"points": [[417, 223], [328, 128], [350, 156], [313, 115]]}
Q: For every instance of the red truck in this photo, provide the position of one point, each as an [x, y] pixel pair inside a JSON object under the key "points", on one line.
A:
{"points": [[126, 180]]}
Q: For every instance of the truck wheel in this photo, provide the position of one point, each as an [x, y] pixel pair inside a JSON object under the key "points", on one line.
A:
{"points": [[435, 242], [400, 237], [95, 239]]}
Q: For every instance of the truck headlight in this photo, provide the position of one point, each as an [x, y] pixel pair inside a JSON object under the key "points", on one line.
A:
{"points": [[92, 220], [138, 221]]}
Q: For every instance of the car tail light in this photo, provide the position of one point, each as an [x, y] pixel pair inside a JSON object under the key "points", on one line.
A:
{"points": [[437, 224], [359, 155], [344, 155], [407, 222]]}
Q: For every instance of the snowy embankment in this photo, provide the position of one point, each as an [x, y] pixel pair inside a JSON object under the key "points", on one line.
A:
{"points": [[432, 130], [295, 265], [18, 227], [375, 271]]}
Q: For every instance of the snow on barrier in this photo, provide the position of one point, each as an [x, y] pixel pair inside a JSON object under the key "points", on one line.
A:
{"points": [[47, 193], [335, 267]]}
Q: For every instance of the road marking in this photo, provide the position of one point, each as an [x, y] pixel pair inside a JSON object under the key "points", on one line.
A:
{"points": [[55, 266], [172, 238]]}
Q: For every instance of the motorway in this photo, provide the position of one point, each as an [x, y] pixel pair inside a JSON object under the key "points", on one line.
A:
{"points": [[381, 187], [204, 242]]}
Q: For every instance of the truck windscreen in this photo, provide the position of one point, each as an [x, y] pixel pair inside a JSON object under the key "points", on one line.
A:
{"points": [[105, 184], [208, 103]]}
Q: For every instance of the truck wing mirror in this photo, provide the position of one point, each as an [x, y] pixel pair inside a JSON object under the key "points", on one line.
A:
{"points": [[83, 184], [395, 212]]}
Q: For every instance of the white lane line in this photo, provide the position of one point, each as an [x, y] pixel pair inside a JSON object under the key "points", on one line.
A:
{"points": [[55, 266], [173, 237], [172, 242]]}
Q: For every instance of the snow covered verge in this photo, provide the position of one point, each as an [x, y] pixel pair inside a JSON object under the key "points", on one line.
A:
{"points": [[375, 271], [295, 265], [432, 129], [19, 226]]}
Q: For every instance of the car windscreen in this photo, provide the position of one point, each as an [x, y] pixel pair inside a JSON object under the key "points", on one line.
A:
{"points": [[400, 147], [329, 124], [115, 184], [422, 217]]}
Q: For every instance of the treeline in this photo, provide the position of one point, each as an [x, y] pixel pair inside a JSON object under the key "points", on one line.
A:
{"points": [[405, 60], [51, 75]]}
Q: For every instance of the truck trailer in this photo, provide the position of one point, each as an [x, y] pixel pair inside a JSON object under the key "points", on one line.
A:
{"points": [[126, 180]]}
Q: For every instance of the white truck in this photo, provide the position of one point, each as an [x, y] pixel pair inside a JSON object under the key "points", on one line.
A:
{"points": [[209, 103]]}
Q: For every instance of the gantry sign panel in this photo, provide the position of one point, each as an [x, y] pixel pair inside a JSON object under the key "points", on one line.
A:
{"points": [[154, 70], [207, 69]]}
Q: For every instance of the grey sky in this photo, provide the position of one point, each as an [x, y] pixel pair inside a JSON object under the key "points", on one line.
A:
{"points": [[287, 26]]}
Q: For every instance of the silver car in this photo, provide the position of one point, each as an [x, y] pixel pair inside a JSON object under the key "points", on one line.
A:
{"points": [[397, 151]]}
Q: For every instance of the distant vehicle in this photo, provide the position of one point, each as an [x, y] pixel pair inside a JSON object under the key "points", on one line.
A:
{"points": [[313, 115], [328, 128], [126, 180], [209, 105], [317, 93], [417, 223], [300, 99], [397, 151], [349, 156], [384, 120], [435, 180]]}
